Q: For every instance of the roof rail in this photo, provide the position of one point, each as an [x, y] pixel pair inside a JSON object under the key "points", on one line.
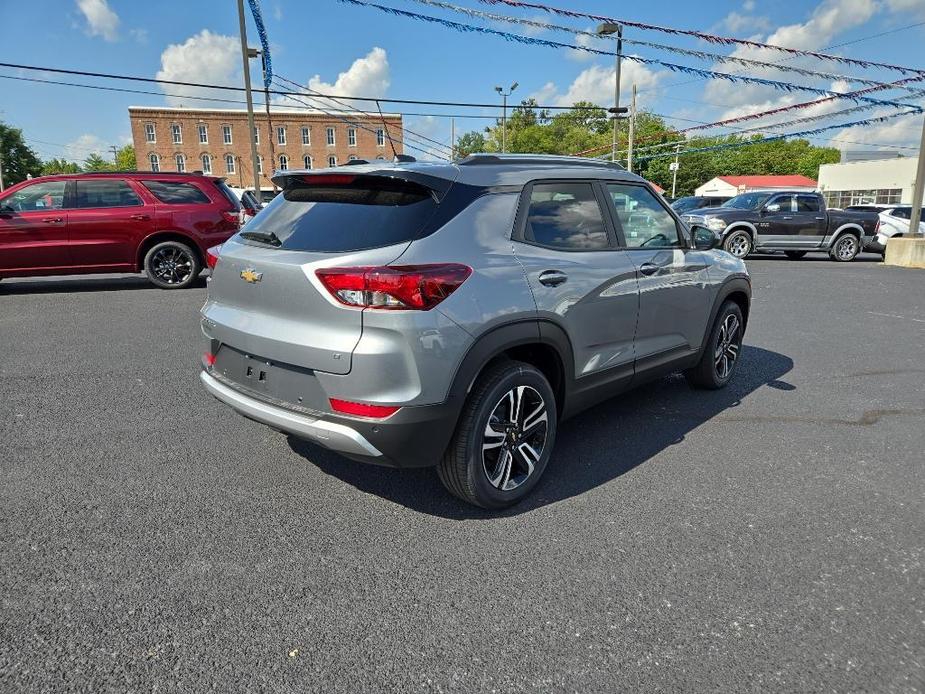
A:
{"points": [[535, 160], [354, 162]]}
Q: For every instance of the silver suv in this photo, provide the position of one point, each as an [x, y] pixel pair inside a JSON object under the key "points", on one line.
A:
{"points": [[417, 314]]}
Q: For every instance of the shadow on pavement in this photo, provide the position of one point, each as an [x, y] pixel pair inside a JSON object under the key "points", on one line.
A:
{"points": [[591, 449], [71, 284], [816, 257]]}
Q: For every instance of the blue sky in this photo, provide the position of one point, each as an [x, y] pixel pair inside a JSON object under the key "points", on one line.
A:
{"points": [[338, 48]]}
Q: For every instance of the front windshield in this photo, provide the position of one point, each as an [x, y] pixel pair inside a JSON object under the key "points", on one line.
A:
{"points": [[684, 204], [747, 201]]}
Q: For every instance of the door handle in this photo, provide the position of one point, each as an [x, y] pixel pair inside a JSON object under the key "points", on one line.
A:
{"points": [[139, 216], [787, 218], [648, 269], [552, 278], [820, 218], [52, 220]]}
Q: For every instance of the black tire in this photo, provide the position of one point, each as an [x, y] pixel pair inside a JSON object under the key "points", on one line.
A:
{"points": [[794, 255], [475, 454], [708, 372], [738, 243], [172, 265], [845, 249]]}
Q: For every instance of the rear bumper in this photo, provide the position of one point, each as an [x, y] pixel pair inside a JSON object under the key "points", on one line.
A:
{"points": [[331, 435], [876, 244], [412, 437]]}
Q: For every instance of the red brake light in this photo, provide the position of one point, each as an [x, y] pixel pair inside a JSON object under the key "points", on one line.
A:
{"points": [[329, 179], [209, 359], [415, 287], [212, 255], [362, 409], [231, 216]]}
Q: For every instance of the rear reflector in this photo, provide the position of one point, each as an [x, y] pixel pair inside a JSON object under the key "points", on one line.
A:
{"points": [[212, 255], [209, 359], [362, 409], [390, 288]]}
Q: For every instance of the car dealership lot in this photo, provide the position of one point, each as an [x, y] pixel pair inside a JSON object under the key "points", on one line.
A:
{"points": [[766, 536]]}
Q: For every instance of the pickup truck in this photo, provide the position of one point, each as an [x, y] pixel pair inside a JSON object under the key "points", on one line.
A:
{"points": [[794, 222]]}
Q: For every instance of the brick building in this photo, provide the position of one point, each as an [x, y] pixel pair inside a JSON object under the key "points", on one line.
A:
{"points": [[215, 140]]}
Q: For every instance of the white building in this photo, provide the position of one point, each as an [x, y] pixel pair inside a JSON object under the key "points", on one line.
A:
{"points": [[878, 181], [728, 186]]}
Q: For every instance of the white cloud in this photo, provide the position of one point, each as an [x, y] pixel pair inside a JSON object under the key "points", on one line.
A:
{"points": [[828, 20], [596, 83], [367, 76], [588, 42], [736, 22], [85, 145], [916, 7], [205, 57], [101, 20], [748, 5], [904, 131]]}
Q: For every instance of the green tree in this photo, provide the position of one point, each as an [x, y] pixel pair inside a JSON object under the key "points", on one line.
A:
{"points": [[59, 166], [96, 163], [470, 143], [125, 159], [16, 157]]}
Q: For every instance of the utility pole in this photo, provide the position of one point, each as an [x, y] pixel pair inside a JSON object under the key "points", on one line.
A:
{"points": [[452, 138], [629, 147], [674, 170], [115, 153], [918, 188], [606, 29], [245, 57], [1, 172], [505, 95]]}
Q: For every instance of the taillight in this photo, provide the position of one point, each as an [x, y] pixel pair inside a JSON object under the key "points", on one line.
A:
{"points": [[362, 409], [232, 217], [250, 211], [212, 255], [415, 287], [208, 359], [877, 228]]}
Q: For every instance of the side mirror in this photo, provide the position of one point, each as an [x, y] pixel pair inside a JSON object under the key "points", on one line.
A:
{"points": [[705, 239], [773, 207]]}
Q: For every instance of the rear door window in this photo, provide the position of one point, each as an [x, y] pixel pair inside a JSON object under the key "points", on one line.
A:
{"points": [[341, 212], [177, 192], [105, 193], [808, 203], [565, 216]]}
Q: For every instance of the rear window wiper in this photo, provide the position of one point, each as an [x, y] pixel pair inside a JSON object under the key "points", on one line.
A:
{"points": [[267, 237]]}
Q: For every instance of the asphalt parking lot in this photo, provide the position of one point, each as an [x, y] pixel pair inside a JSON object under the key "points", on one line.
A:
{"points": [[768, 537]]}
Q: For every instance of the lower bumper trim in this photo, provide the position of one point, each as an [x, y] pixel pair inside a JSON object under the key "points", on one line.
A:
{"points": [[337, 437]]}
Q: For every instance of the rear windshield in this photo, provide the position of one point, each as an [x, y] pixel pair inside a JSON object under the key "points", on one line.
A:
{"points": [[227, 192], [344, 213], [176, 192]]}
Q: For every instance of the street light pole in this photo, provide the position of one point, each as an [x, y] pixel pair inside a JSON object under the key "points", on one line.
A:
{"points": [[632, 128], [606, 29], [245, 57], [674, 171], [504, 95], [918, 189]]}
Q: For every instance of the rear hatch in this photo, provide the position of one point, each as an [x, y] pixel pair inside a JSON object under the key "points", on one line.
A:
{"points": [[265, 298]]}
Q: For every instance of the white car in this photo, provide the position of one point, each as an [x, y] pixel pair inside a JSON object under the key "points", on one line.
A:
{"points": [[251, 204], [894, 221]]}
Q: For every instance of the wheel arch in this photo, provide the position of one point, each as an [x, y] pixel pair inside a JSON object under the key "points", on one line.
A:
{"points": [[737, 289], [847, 228], [748, 227], [167, 235]]}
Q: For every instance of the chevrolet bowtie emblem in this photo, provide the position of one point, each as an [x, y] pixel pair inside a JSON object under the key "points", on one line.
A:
{"points": [[250, 276]]}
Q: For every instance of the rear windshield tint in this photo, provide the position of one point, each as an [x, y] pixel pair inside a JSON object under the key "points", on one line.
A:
{"points": [[363, 212], [228, 193], [176, 192]]}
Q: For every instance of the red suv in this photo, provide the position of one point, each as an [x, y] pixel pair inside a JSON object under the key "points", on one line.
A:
{"points": [[115, 222]]}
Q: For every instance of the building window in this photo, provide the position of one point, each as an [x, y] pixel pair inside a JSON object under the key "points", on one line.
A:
{"points": [[206, 164], [306, 135], [875, 196], [226, 134], [307, 161], [281, 135], [181, 163], [331, 137], [229, 163], [380, 158], [351, 137], [176, 134], [352, 157], [260, 164], [150, 135], [203, 134], [256, 135], [283, 162], [380, 138], [332, 160], [155, 163]]}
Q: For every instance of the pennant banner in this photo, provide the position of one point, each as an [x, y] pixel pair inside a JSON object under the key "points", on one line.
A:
{"points": [[684, 69], [264, 42]]}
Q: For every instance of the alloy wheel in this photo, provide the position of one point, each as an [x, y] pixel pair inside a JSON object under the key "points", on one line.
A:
{"points": [[728, 344], [514, 437], [739, 246], [846, 248], [172, 265]]}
